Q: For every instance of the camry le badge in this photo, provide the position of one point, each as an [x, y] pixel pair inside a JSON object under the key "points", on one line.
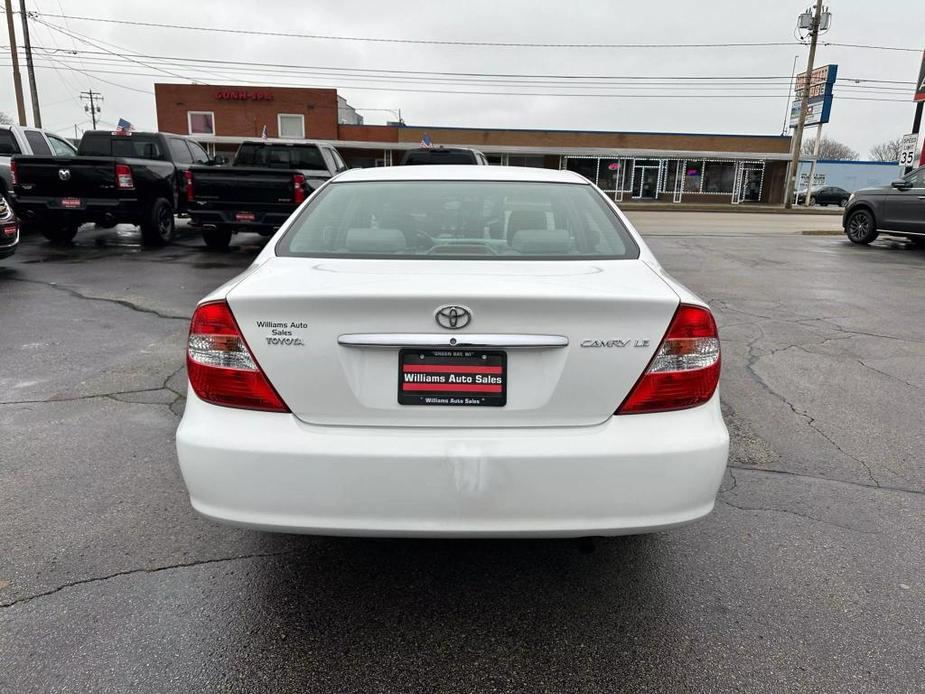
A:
{"points": [[614, 343], [453, 317]]}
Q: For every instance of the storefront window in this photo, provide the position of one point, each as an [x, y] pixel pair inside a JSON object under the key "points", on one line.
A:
{"points": [[587, 167], [516, 160], [201, 122], [671, 176], [609, 174], [693, 174], [718, 176]]}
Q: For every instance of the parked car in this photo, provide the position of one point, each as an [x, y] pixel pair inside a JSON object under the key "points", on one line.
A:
{"points": [[897, 210], [387, 367], [266, 182], [134, 178], [9, 229], [15, 139], [443, 155], [827, 195]]}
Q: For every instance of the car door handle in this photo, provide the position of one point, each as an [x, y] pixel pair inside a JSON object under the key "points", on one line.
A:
{"points": [[458, 340]]}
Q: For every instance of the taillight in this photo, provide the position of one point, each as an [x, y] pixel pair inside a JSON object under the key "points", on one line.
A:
{"points": [[298, 189], [124, 179], [220, 365], [14, 173], [684, 371], [188, 184]]}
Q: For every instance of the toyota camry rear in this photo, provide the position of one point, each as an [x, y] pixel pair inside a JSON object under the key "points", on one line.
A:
{"points": [[454, 351]]}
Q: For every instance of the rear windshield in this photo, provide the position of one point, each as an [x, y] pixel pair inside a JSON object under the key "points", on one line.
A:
{"points": [[8, 143], [481, 220], [129, 146], [439, 157], [280, 156]]}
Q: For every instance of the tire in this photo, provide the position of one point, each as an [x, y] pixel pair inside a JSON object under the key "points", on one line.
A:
{"points": [[61, 235], [157, 228], [812, 202], [860, 227], [217, 239], [843, 202]]}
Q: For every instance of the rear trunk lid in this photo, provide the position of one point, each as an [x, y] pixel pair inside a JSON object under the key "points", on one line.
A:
{"points": [[236, 185], [292, 312]]}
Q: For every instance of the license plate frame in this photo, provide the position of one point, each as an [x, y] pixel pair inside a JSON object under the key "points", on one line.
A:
{"points": [[245, 217], [71, 203], [433, 380]]}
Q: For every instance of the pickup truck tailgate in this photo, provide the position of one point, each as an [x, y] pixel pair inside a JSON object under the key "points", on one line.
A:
{"points": [[79, 177], [240, 186]]}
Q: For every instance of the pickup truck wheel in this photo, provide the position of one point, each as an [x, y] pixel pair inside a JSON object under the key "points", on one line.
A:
{"points": [[861, 227], [217, 239], [60, 236], [158, 228]]}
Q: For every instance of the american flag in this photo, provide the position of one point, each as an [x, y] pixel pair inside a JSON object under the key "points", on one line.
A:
{"points": [[426, 141], [123, 127], [263, 133]]}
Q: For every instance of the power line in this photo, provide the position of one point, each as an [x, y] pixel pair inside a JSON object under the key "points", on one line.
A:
{"points": [[498, 93], [427, 42]]}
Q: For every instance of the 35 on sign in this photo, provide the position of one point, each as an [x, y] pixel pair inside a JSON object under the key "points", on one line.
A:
{"points": [[907, 150]]}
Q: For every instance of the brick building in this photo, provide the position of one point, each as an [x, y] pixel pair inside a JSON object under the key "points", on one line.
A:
{"points": [[677, 167]]}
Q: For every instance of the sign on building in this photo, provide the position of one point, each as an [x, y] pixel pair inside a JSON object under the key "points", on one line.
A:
{"points": [[818, 180], [920, 82], [819, 103], [907, 149]]}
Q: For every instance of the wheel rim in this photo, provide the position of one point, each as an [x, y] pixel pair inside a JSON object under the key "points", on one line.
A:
{"points": [[164, 222], [858, 227]]}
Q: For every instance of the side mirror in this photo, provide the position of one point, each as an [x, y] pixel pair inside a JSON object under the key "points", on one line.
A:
{"points": [[901, 184]]}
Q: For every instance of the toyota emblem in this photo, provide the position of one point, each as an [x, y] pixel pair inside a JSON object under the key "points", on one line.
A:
{"points": [[453, 317], [64, 174]]}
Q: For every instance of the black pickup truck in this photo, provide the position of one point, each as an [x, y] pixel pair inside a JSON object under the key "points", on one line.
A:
{"points": [[266, 182], [135, 178]]}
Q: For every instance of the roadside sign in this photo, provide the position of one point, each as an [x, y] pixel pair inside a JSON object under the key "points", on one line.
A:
{"points": [[819, 103], [907, 149], [920, 82]]}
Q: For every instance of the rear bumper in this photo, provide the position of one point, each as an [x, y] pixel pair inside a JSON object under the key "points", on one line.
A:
{"points": [[631, 474], [37, 210], [225, 219]]}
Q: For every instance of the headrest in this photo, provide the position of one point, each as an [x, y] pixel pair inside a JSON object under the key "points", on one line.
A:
{"points": [[541, 241], [374, 241]]}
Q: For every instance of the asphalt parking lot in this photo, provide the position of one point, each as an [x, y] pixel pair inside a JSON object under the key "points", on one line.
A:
{"points": [[808, 577]]}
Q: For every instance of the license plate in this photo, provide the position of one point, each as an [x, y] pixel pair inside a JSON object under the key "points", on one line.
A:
{"points": [[244, 216], [70, 202], [462, 378]]}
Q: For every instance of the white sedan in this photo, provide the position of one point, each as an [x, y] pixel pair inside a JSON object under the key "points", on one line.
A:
{"points": [[454, 351]]}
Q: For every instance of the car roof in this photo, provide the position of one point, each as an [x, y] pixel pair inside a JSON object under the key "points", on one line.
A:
{"points": [[460, 172]]}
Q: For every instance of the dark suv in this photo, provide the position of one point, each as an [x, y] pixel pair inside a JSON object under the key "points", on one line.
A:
{"points": [[443, 155], [898, 210]]}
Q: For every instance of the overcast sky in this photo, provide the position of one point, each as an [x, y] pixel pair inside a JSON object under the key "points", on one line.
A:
{"points": [[859, 124]]}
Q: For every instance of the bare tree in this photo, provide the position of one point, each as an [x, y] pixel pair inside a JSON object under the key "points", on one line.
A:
{"points": [[5, 119], [887, 151], [828, 149]]}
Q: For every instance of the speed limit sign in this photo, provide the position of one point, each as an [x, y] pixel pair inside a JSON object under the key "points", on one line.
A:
{"points": [[907, 150]]}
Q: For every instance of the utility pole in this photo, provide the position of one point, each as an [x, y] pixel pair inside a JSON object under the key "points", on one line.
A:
{"points": [[17, 80], [804, 102], [93, 108], [27, 44]]}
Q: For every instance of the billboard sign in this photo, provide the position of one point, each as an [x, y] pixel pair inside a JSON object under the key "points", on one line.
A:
{"points": [[819, 104], [920, 82]]}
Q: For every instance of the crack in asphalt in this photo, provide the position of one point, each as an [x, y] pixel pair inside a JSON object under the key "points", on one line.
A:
{"points": [[752, 359], [143, 570], [120, 302], [882, 487], [798, 515], [889, 375]]}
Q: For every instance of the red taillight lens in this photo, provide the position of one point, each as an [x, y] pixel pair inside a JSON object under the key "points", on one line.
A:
{"points": [[298, 189], [9, 230], [684, 371], [14, 173], [220, 365], [124, 179], [188, 184]]}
